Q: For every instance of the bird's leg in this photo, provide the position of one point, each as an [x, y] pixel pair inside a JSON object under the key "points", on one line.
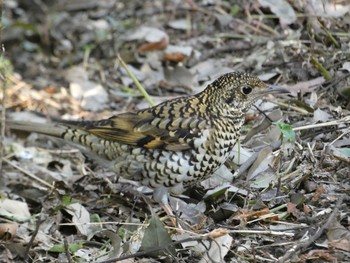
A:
{"points": [[161, 195]]}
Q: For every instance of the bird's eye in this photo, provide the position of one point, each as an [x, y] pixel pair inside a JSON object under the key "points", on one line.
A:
{"points": [[246, 90]]}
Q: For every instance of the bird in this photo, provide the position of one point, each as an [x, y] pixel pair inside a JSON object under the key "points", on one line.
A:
{"points": [[170, 146]]}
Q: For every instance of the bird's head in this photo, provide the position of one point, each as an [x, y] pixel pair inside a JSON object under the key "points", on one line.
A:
{"points": [[236, 92]]}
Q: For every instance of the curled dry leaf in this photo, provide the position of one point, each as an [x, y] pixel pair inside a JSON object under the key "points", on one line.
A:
{"points": [[218, 249], [8, 231], [261, 164], [342, 244], [81, 218], [339, 236], [264, 214], [14, 209], [317, 195], [175, 57], [154, 46], [318, 254], [219, 232], [245, 215], [292, 209], [336, 231]]}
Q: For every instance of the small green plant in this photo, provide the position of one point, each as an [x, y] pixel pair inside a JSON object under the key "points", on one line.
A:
{"points": [[67, 200], [73, 247], [286, 130], [235, 10]]}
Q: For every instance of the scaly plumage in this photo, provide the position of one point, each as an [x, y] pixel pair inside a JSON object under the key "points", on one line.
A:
{"points": [[175, 143]]}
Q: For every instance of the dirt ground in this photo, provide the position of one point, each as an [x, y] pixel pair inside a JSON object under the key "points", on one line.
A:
{"points": [[285, 199]]}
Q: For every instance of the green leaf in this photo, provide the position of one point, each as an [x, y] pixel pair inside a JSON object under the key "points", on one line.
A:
{"points": [[287, 131], [67, 200], [74, 247], [234, 10]]}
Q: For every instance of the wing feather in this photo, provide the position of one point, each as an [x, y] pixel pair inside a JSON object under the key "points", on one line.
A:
{"points": [[146, 129]]}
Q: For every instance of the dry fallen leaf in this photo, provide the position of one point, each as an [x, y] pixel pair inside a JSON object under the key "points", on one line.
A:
{"points": [[80, 217], [292, 209], [91, 95], [317, 195], [338, 236], [175, 57], [8, 231], [218, 248], [218, 232], [306, 86], [153, 46], [14, 209]]}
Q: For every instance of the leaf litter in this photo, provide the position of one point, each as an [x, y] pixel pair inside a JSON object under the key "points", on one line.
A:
{"points": [[284, 196]]}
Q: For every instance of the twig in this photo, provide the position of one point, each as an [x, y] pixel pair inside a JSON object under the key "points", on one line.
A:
{"points": [[3, 84], [288, 106], [325, 124], [319, 66], [66, 250], [265, 232], [30, 243], [304, 245], [29, 174], [137, 83]]}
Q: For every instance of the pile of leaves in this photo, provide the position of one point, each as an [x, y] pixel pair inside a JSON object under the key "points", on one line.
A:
{"points": [[283, 198]]}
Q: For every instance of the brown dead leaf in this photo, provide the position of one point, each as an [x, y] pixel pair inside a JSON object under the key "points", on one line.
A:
{"points": [[219, 232], [306, 209], [175, 57], [247, 215], [340, 244], [217, 250], [336, 232], [292, 209], [318, 254], [259, 170], [51, 90], [8, 231], [153, 46], [262, 214], [317, 195]]}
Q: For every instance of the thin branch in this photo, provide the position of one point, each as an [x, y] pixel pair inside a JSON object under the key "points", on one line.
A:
{"points": [[304, 245], [136, 82], [3, 104], [43, 182]]}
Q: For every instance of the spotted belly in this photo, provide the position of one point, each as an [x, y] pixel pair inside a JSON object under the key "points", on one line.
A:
{"points": [[175, 170]]}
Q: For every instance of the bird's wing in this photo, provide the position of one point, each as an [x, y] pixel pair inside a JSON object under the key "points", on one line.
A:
{"points": [[144, 129]]}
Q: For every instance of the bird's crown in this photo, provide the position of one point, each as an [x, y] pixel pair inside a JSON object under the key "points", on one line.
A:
{"points": [[236, 91]]}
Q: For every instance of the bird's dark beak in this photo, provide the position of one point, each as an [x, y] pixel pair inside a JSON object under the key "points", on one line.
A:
{"points": [[273, 89]]}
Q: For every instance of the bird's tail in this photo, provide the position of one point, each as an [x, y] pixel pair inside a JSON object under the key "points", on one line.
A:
{"points": [[71, 133], [53, 130]]}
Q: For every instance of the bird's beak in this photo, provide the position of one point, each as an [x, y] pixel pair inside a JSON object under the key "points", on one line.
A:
{"points": [[273, 89]]}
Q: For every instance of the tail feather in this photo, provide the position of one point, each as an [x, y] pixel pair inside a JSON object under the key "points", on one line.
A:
{"points": [[42, 128], [88, 143]]}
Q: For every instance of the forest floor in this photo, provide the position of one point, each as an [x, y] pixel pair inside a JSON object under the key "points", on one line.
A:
{"points": [[285, 200]]}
